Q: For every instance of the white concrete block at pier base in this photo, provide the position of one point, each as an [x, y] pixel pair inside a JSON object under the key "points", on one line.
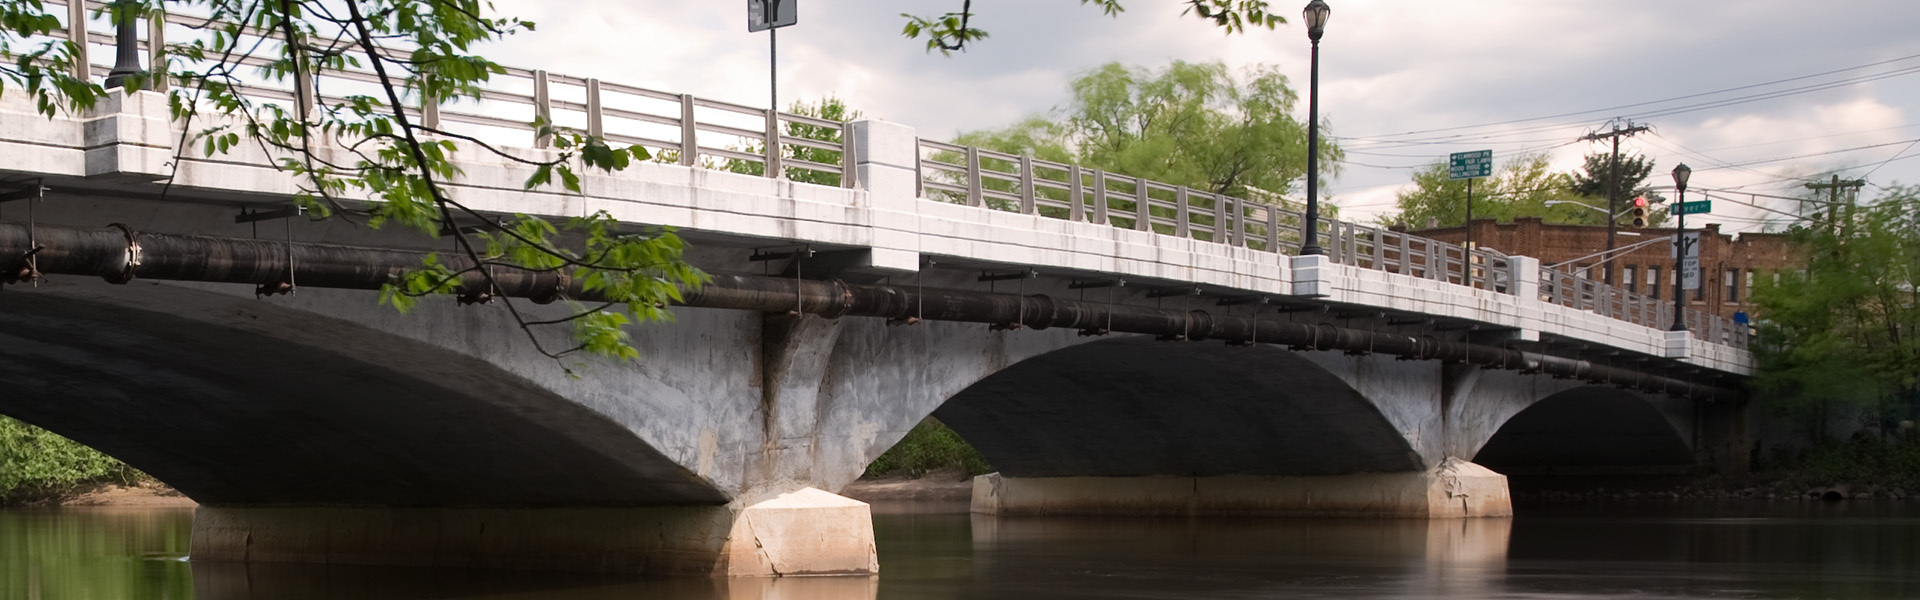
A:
{"points": [[808, 532], [1455, 489]]}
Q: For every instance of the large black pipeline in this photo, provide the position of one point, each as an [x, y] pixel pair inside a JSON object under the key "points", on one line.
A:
{"points": [[121, 255]]}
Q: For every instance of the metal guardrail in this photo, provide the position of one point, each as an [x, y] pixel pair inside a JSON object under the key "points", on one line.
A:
{"points": [[1026, 185], [1569, 289], [690, 126]]}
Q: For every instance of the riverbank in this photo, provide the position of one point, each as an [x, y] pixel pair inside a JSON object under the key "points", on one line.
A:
{"points": [[937, 486]]}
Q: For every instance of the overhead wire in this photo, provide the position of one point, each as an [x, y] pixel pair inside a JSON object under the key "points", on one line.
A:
{"points": [[1650, 102]]}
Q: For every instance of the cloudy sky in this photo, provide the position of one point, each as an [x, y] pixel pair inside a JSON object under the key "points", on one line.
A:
{"points": [[1750, 93]]}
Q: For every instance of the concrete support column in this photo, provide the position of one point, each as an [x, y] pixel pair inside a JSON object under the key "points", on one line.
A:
{"points": [[1313, 275], [794, 350], [130, 136], [886, 156], [807, 532], [887, 161], [1526, 277], [1454, 489]]}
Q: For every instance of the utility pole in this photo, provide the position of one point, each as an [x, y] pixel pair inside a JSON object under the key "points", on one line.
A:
{"points": [[1833, 199], [1613, 179]]}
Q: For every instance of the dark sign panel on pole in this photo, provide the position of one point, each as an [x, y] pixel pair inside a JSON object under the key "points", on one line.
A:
{"points": [[768, 14], [1468, 165]]}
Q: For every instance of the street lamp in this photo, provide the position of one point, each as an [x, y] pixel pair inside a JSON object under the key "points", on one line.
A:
{"points": [[1680, 175], [1316, 17]]}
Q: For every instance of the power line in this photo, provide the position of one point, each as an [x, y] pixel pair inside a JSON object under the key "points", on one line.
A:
{"points": [[1646, 103]]}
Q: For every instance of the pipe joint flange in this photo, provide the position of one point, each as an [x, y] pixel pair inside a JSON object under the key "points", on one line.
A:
{"points": [[132, 264], [841, 308], [551, 293]]}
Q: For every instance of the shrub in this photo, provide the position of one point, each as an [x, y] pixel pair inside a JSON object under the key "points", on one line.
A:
{"points": [[930, 446], [37, 464]]}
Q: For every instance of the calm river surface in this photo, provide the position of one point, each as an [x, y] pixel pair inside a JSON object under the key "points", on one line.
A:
{"points": [[1786, 549]]}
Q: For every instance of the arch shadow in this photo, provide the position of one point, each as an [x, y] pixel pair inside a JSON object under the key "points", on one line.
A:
{"points": [[1591, 430], [1137, 407], [209, 393]]}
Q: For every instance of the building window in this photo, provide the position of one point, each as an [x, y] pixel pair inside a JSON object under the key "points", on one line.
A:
{"points": [[1626, 277], [1700, 291], [1749, 283], [1731, 278], [1581, 272], [1653, 281]]}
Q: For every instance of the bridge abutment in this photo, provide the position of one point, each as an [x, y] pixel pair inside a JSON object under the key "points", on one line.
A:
{"points": [[1454, 489], [807, 532]]}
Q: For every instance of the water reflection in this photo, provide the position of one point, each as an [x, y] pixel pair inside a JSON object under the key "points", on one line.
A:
{"points": [[1785, 550], [237, 581]]}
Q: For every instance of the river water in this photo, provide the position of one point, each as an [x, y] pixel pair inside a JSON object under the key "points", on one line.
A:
{"points": [[1783, 549]]}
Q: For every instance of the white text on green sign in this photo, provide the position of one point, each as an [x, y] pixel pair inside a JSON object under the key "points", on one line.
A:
{"points": [[1467, 165], [1693, 208]]}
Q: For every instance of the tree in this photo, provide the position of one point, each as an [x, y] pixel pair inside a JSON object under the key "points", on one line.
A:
{"points": [[1593, 178], [1521, 188], [1844, 336], [364, 158], [1190, 124], [953, 31], [830, 109]]}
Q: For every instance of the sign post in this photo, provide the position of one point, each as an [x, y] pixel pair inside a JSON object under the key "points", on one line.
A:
{"points": [[1469, 165], [770, 16]]}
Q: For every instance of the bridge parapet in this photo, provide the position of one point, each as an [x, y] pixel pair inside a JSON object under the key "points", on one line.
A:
{"points": [[924, 197]]}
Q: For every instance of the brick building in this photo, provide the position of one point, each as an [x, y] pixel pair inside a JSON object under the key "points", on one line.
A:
{"points": [[1730, 264]]}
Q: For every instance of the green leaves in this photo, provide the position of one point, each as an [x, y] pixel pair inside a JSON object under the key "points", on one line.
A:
{"points": [[1841, 338], [1521, 187], [1234, 16], [1198, 125], [359, 149]]}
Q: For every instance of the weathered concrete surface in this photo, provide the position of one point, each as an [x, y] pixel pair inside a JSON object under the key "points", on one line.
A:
{"points": [[808, 532], [1454, 489]]}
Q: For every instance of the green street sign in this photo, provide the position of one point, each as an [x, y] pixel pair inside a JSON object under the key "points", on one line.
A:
{"points": [[1693, 208], [1468, 165]]}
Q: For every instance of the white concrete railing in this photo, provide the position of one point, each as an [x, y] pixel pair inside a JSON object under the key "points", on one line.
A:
{"points": [[947, 172], [695, 129]]}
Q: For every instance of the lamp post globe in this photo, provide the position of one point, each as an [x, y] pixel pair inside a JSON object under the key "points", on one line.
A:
{"points": [[1315, 15], [1680, 175]]}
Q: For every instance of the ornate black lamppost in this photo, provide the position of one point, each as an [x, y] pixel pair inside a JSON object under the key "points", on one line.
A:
{"points": [[1680, 175], [1316, 17], [126, 59]]}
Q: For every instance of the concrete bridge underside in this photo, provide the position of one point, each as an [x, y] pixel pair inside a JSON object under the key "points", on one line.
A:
{"points": [[324, 428]]}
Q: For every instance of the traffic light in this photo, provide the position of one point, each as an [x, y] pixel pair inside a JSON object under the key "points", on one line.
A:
{"points": [[1639, 211]]}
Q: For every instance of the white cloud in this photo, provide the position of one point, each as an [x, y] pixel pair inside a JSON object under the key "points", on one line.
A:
{"points": [[1387, 66]]}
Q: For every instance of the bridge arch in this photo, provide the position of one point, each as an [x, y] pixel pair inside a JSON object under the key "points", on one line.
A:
{"points": [[1046, 404], [239, 402], [1591, 430], [1135, 407]]}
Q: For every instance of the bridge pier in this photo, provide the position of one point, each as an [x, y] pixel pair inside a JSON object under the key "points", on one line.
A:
{"points": [[808, 532], [1454, 489]]}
